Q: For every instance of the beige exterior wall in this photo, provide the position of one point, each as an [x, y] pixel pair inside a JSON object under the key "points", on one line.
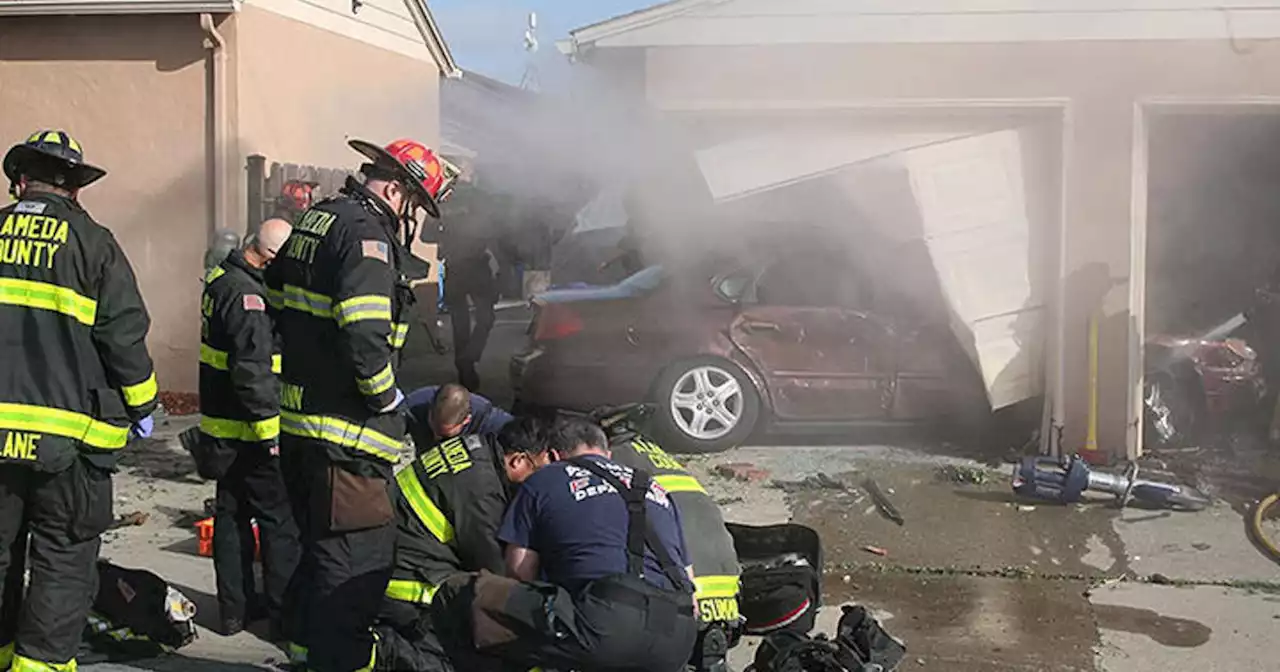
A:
{"points": [[131, 89], [303, 91], [1100, 81]]}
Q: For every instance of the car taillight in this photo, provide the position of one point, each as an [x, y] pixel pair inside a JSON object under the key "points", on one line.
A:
{"points": [[556, 320]]}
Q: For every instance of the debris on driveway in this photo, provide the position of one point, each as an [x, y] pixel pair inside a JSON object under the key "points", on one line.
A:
{"points": [[963, 475], [742, 471], [886, 507], [132, 519], [875, 550], [819, 481]]}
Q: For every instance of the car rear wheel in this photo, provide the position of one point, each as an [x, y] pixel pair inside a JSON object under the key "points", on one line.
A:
{"points": [[705, 405]]}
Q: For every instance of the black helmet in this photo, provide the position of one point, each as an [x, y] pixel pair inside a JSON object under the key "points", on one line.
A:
{"points": [[51, 156]]}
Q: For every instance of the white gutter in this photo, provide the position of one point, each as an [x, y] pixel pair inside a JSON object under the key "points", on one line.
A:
{"points": [[110, 7], [430, 30], [216, 45]]}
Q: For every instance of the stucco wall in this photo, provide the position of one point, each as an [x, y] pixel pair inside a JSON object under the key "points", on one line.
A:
{"points": [[1102, 81], [132, 91], [303, 91]]}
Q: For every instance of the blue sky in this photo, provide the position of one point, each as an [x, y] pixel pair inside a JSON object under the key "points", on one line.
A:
{"points": [[486, 35]]}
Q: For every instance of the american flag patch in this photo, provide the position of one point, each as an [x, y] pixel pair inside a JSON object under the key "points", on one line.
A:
{"points": [[254, 302], [375, 249], [579, 484]]}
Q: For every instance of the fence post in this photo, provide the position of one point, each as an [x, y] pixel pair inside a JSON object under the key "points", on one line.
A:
{"points": [[256, 171]]}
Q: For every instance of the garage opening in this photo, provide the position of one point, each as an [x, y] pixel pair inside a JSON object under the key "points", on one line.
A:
{"points": [[1213, 247]]}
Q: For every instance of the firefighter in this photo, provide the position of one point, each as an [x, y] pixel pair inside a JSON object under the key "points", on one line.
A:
{"points": [[466, 242], [447, 515], [618, 592], [78, 382], [240, 424], [711, 551], [449, 410], [341, 285]]}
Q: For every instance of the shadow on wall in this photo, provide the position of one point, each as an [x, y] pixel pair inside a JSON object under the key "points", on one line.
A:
{"points": [[173, 42]]}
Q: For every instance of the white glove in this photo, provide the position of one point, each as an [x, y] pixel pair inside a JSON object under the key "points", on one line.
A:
{"points": [[394, 404]]}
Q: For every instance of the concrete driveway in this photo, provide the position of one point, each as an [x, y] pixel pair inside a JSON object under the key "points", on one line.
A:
{"points": [[972, 580]]}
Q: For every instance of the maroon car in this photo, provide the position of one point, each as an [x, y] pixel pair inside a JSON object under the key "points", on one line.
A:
{"points": [[796, 340]]}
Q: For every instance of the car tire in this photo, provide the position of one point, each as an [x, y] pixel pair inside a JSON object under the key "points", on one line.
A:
{"points": [[676, 423]]}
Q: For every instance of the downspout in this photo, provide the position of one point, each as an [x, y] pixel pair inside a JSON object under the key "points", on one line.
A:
{"points": [[217, 108]]}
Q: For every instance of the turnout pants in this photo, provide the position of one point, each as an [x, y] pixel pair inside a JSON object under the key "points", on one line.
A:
{"points": [[347, 554], [65, 514], [407, 642], [253, 489], [609, 626], [471, 279]]}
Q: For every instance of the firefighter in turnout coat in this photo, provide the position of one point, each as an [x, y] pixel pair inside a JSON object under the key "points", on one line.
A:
{"points": [[240, 424], [77, 377], [341, 286]]}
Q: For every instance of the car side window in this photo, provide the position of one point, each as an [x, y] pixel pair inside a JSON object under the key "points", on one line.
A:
{"points": [[814, 281]]}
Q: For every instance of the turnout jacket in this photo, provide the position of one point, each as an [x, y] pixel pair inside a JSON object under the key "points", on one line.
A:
{"points": [[707, 540], [73, 331], [342, 308], [448, 510], [239, 392]]}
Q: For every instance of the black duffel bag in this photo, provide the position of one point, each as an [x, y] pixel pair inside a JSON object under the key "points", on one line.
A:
{"points": [[137, 614], [861, 645], [781, 576]]}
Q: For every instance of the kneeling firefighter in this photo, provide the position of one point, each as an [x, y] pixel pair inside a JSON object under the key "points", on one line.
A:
{"points": [[711, 550], [448, 511], [617, 594]]}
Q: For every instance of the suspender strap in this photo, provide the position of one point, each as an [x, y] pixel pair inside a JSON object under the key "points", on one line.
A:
{"points": [[640, 531]]}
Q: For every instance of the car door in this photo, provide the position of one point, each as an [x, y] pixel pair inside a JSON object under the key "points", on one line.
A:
{"points": [[820, 360]]}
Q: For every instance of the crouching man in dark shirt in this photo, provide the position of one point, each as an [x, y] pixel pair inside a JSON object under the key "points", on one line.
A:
{"points": [[616, 592]]}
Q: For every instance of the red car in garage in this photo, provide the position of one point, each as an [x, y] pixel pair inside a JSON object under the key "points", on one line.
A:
{"points": [[803, 341]]}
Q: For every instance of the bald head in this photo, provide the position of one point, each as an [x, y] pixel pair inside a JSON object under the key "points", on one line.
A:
{"points": [[450, 411], [266, 244]]}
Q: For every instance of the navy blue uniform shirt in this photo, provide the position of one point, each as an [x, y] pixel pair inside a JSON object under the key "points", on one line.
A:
{"points": [[577, 524]]}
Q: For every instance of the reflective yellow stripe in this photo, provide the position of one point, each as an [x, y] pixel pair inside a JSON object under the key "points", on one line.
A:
{"points": [[213, 357], [365, 307], [377, 383], [411, 591], [6, 656], [213, 274], [399, 334], [52, 137], [25, 664], [679, 483], [70, 424], [340, 432], [71, 142], [302, 300], [141, 394], [708, 587], [240, 430], [297, 654], [221, 360], [45, 296], [275, 298], [35, 137], [430, 515]]}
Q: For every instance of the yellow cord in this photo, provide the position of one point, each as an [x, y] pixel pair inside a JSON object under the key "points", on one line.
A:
{"points": [[1255, 526]]}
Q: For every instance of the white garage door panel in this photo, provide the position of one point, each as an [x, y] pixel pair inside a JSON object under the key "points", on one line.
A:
{"points": [[770, 161], [973, 208]]}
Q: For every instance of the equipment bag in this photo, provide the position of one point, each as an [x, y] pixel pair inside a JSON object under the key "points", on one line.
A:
{"points": [[137, 614], [861, 645], [781, 576]]}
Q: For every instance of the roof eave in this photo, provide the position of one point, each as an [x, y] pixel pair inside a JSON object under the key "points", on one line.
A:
{"points": [[588, 35], [118, 7], [434, 38]]}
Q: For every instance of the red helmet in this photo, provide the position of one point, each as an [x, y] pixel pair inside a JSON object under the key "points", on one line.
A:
{"points": [[299, 194], [429, 174]]}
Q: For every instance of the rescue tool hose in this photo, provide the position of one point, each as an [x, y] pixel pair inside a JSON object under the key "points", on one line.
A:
{"points": [[1265, 544]]}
